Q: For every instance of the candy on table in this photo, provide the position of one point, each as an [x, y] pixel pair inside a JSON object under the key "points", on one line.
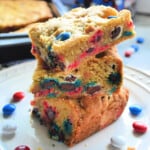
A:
{"points": [[135, 47], [140, 40], [139, 127], [22, 147], [132, 49], [9, 128], [135, 109], [8, 109], [128, 53], [18, 96], [118, 141]]}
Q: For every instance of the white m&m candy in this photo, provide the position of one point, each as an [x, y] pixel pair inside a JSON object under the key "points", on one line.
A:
{"points": [[117, 141], [9, 128]]}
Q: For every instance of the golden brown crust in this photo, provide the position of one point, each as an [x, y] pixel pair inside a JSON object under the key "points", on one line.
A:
{"points": [[15, 14]]}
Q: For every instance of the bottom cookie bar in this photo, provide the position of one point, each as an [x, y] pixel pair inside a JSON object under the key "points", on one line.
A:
{"points": [[72, 120]]}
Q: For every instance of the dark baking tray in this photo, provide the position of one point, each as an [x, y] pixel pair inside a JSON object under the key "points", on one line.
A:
{"points": [[14, 46]]}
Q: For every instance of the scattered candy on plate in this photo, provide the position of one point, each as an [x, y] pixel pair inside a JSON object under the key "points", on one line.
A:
{"points": [[22, 147], [140, 40], [135, 109], [118, 141], [8, 109], [128, 53], [139, 127], [18, 96], [9, 128], [135, 47]]}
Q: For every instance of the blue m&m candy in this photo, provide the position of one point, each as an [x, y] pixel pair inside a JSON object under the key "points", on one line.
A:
{"points": [[135, 47], [63, 36], [135, 109], [8, 109], [112, 17], [140, 40]]}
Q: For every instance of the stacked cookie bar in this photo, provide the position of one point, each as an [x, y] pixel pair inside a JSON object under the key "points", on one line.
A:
{"points": [[78, 82]]}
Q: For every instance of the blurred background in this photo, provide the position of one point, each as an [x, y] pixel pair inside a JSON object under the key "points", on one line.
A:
{"points": [[18, 16]]}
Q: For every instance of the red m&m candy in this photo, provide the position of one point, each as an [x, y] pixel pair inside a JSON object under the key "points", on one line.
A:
{"points": [[139, 127], [22, 147], [128, 53], [18, 96]]}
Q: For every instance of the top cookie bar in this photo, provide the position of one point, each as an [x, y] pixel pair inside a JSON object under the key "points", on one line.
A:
{"points": [[65, 41]]}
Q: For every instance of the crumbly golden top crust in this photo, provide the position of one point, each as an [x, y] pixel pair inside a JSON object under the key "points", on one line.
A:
{"points": [[81, 21]]}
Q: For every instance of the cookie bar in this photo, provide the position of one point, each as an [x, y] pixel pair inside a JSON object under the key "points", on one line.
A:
{"points": [[72, 120], [65, 41], [101, 73]]}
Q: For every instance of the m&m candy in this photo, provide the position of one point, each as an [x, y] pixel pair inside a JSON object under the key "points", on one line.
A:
{"points": [[128, 53], [135, 109], [18, 96], [9, 128], [139, 127], [118, 141], [140, 40], [63, 36], [22, 147], [8, 109]]}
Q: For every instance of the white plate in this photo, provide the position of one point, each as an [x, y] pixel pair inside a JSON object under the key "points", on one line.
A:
{"points": [[32, 134]]}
